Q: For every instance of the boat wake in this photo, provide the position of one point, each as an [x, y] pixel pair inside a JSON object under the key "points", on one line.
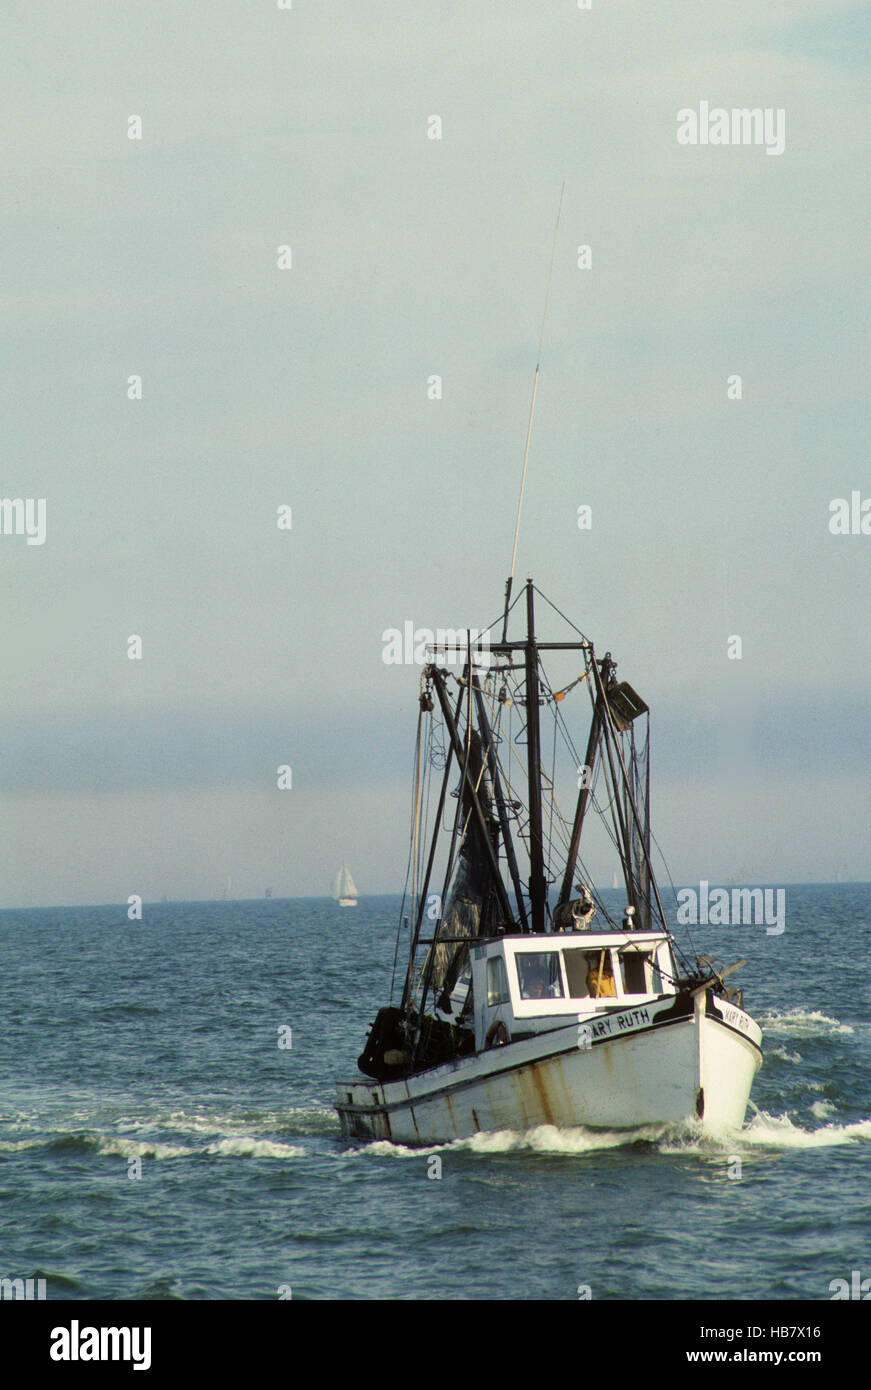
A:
{"points": [[763, 1132], [779, 1132], [543, 1139]]}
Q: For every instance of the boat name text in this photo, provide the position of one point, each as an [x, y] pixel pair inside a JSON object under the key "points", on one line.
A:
{"points": [[734, 1016], [619, 1023]]}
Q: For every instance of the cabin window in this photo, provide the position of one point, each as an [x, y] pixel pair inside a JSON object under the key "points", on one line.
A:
{"points": [[497, 981], [577, 966], [640, 973], [539, 974], [634, 972], [589, 973]]}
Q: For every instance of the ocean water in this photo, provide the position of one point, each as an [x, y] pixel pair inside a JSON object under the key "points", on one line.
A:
{"points": [[158, 1041]]}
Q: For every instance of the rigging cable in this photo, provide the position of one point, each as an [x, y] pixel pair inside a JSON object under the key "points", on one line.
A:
{"points": [[411, 867]]}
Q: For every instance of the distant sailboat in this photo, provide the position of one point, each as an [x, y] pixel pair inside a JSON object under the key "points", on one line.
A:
{"points": [[344, 888]]}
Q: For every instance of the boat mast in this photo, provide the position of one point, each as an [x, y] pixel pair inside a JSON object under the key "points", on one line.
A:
{"points": [[537, 886]]}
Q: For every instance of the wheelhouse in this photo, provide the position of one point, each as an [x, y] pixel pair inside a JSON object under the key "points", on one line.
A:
{"points": [[533, 984]]}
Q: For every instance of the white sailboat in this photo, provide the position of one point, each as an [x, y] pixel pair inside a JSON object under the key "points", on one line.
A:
{"points": [[344, 888]]}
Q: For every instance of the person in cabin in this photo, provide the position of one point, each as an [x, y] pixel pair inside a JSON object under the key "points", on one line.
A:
{"points": [[600, 977], [537, 981]]}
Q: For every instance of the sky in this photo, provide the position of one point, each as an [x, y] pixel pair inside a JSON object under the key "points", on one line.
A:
{"points": [[308, 385]]}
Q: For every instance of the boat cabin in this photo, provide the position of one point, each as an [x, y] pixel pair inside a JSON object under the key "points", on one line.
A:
{"points": [[534, 984]]}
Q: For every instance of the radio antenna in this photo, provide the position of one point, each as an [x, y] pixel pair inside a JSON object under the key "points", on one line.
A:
{"points": [[510, 579]]}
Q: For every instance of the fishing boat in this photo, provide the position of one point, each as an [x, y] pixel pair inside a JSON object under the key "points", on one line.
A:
{"points": [[344, 888], [525, 1000]]}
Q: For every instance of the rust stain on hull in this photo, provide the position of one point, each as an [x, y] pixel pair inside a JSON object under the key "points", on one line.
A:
{"points": [[449, 1102], [539, 1083]]}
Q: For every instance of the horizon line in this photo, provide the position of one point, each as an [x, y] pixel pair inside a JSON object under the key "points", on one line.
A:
{"points": [[396, 893]]}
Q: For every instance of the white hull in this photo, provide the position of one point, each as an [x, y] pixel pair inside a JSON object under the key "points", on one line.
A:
{"points": [[347, 902], [658, 1064]]}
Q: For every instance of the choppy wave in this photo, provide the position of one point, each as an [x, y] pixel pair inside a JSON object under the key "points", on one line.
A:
{"points": [[116, 1146], [822, 1109], [803, 1023], [551, 1139], [113, 1013], [299, 1121], [242, 1147], [170, 1133], [780, 1132], [55, 1279], [145, 1148], [164, 1287]]}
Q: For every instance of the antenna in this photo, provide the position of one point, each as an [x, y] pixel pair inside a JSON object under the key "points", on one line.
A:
{"points": [[510, 580]]}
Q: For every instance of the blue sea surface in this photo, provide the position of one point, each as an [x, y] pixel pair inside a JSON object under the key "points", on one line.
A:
{"points": [[158, 1040]]}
